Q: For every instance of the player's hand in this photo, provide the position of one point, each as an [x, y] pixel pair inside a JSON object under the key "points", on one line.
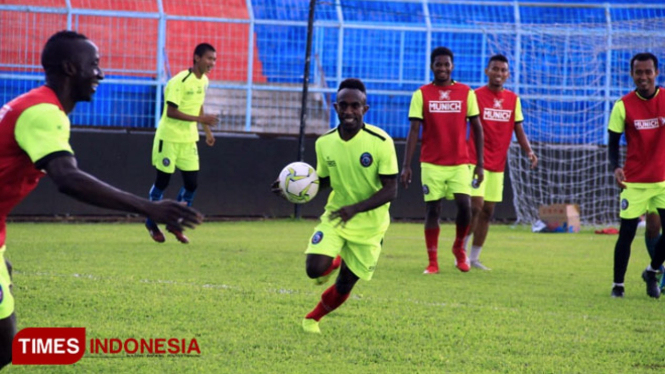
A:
{"points": [[210, 139], [344, 214], [174, 214], [209, 119], [534, 159], [274, 188], [620, 177], [479, 174], [405, 177]]}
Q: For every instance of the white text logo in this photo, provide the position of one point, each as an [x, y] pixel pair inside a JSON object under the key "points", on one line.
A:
{"points": [[445, 106], [490, 114], [646, 124]]}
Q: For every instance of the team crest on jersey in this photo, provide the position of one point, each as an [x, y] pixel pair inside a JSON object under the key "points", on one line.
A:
{"points": [[317, 237], [662, 120], [624, 204], [498, 104], [166, 161], [425, 189], [444, 95], [366, 159]]}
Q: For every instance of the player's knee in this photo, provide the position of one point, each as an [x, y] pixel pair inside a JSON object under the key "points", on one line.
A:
{"points": [[487, 212], [315, 267]]}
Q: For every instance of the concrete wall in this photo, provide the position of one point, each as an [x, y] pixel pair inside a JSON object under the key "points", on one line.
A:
{"points": [[235, 178]]}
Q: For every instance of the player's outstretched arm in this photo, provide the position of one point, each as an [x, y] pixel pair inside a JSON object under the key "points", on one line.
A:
{"points": [[525, 145], [411, 142], [386, 194], [82, 186]]}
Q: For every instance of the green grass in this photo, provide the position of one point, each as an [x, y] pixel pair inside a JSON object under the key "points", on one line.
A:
{"points": [[240, 289]]}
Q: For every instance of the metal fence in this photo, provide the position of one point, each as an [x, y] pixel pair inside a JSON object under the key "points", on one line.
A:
{"points": [[569, 61]]}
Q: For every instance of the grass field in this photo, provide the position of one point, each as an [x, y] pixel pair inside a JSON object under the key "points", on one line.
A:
{"points": [[240, 290]]}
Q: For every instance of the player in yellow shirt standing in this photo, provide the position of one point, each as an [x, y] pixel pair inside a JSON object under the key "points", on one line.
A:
{"points": [[177, 133], [359, 162]]}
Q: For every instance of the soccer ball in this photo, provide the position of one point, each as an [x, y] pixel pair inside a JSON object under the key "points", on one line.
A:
{"points": [[299, 182]]}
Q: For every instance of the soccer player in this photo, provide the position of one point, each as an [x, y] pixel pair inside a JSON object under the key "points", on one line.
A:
{"points": [[501, 115], [34, 141], [641, 115], [358, 161], [441, 108], [174, 145]]}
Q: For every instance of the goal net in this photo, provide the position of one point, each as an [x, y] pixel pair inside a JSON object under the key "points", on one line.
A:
{"points": [[568, 77]]}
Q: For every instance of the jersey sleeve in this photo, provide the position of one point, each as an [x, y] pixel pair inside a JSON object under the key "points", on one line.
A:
{"points": [[388, 160], [519, 116], [416, 108], [321, 165], [174, 91], [618, 118], [472, 109], [41, 130]]}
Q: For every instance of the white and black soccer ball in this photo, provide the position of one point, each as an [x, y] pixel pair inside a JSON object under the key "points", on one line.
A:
{"points": [[299, 182]]}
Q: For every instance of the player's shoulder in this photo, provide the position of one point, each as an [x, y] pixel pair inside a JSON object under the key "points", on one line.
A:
{"points": [[461, 86], [326, 136], [376, 132], [182, 76]]}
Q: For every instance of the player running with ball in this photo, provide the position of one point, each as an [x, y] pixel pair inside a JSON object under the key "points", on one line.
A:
{"points": [[358, 161]]}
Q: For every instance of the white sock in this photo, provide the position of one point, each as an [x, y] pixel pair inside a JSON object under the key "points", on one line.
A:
{"points": [[466, 242], [649, 268], [475, 252], [618, 285]]}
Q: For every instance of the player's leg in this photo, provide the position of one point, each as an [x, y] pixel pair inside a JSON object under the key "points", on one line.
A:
{"points": [[433, 178], [480, 234], [163, 159], [7, 314], [652, 232], [460, 187], [331, 299], [360, 254], [492, 193], [476, 209], [622, 253], [188, 164], [651, 273], [190, 184], [462, 223], [323, 252], [321, 267], [634, 202], [432, 230]]}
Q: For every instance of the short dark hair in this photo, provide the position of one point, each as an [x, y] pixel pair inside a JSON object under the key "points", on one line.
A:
{"points": [[352, 83], [498, 57], [441, 51], [202, 48], [645, 56], [58, 49]]}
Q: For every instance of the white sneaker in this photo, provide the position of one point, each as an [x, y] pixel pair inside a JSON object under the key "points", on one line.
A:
{"points": [[476, 264]]}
